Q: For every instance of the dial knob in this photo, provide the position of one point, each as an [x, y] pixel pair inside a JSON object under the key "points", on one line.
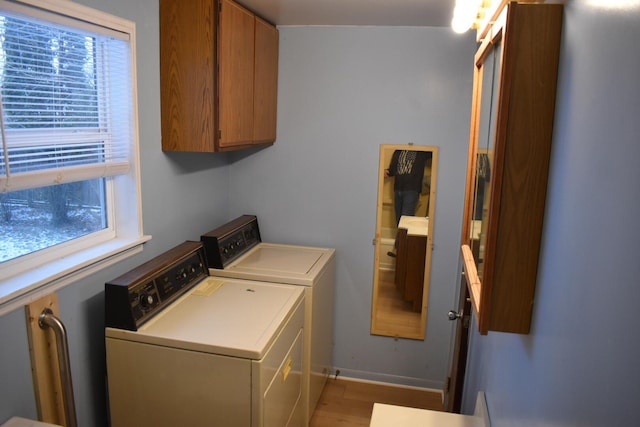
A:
{"points": [[146, 300]]}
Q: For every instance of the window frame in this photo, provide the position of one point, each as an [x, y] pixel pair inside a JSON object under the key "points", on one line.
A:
{"points": [[32, 276]]}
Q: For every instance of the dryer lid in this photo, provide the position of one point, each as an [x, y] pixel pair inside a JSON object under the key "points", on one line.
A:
{"points": [[237, 318]]}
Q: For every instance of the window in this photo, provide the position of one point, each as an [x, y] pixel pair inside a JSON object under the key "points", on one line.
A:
{"points": [[69, 173]]}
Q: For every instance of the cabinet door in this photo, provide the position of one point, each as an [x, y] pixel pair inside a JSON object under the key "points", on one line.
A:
{"points": [[187, 75], [236, 65], [510, 140], [266, 82]]}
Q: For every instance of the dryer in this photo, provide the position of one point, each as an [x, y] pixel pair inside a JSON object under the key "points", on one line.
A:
{"points": [[187, 349], [235, 250]]}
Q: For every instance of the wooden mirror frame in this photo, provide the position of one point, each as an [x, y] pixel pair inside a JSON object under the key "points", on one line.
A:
{"points": [[486, 51], [412, 327]]}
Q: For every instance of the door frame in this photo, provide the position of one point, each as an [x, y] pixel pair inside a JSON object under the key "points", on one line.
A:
{"points": [[458, 363]]}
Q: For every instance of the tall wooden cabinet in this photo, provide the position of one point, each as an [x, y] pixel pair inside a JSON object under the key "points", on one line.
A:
{"points": [[218, 76], [510, 142]]}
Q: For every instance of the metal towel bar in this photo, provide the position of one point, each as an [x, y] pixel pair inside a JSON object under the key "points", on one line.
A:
{"points": [[48, 319]]}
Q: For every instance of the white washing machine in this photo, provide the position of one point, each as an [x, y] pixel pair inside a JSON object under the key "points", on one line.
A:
{"points": [[187, 349], [235, 250]]}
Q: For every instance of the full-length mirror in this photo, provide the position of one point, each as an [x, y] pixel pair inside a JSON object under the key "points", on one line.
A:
{"points": [[403, 240]]}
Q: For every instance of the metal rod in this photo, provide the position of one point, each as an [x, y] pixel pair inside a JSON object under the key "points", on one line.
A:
{"points": [[48, 319]]}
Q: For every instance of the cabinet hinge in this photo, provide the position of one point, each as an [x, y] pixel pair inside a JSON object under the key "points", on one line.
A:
{"points": [[219, 133]]}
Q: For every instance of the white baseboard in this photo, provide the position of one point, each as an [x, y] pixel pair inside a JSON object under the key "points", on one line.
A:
{"points": [[389, 379], [387, 384]]}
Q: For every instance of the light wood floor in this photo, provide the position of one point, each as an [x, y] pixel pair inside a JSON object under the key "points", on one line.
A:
{"points": [[393, 313], [347, 402]]}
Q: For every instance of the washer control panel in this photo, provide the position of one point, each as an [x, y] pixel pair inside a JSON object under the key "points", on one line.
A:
{"points": [[138, 295], [230, 241]]}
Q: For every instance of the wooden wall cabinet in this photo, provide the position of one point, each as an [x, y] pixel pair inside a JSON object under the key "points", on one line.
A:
{"points": [[513, 105], [218, 76]]}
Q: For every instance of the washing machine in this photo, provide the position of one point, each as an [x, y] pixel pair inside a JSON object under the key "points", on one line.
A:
{"points": [[236, 250], [184, 348]]}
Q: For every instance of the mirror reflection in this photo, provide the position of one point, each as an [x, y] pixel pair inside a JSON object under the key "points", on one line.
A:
{"points": [[489, 68], [404, 223]]}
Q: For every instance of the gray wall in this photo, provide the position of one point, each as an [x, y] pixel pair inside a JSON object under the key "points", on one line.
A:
{"points": [[579, 364], [343, 91]]}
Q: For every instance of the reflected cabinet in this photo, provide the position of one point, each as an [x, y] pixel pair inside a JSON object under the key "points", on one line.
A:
{"points": [[512, 116]]}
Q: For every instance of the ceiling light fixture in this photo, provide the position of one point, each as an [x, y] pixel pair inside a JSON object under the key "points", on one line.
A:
{"points": [[466, 14]]}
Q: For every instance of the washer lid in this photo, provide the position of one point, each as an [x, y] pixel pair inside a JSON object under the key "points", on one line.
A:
{"points": [[223, 316], [281, 259], [270, 262]]}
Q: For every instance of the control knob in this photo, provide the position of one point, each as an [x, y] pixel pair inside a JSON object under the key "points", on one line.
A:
{"points": [[146, 300]]}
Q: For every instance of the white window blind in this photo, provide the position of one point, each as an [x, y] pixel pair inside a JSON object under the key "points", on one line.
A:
{"points": [[65, 103]]}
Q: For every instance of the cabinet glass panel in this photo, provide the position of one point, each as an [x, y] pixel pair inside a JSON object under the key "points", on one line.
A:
{"points": [[484, 156]]}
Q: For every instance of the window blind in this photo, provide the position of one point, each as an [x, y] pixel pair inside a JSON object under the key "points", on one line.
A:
{"points": [[65, 103]]}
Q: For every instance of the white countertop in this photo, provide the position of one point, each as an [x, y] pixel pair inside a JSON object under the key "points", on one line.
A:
{"points": [[415, 225], [400, 416]]}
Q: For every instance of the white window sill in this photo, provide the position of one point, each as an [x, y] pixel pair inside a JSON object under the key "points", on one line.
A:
{"points": [[26, 287]]}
